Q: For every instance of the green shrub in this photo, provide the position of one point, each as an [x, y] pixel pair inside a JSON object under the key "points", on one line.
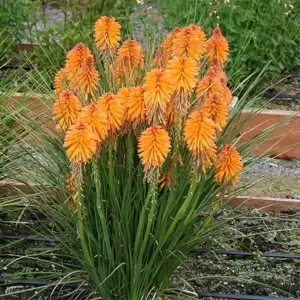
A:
{"points": [[15, 23], [258, 31]]}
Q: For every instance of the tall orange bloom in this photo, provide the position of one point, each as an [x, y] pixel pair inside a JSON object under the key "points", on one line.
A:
{"points": [[211, 83], [164, 52], [97, 119], [88, 76], [217, 68], [107, 34], [216, 109], [130, 58], [61, 81], [66, 110], [217, 47], [228, 165], [183, 72], [189, 42], [81, 142], [154, 146], [111, 105], [76, 58], [133, 50], [123, 96], [136, 106], [158, 91], [199, 133]]}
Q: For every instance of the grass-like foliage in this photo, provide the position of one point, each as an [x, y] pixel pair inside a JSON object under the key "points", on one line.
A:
{"points": [[139, 156]]}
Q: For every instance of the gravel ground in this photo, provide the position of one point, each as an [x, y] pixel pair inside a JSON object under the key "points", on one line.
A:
{"points": [[274, 178]]}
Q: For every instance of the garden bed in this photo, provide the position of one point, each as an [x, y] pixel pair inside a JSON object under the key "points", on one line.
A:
{"points": [[247, 230]]}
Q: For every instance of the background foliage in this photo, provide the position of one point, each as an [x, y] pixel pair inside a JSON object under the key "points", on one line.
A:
{"points": [[257, 31]]}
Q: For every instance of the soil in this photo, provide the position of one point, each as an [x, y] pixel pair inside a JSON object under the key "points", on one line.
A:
{"points": [[256, 233]]}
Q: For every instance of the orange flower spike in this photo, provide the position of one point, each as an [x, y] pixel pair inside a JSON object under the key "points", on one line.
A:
{"points": [[154, 146], [81, 142], [88, 76], [228, 165], [107, 34], [211, 83], [199, 133], [94, 117], [217, 47], [189, 42], [123, 96], [136, 105], [133, 50], [164, 51], [216, 109], [76, 58], [61, 81], [217, 68], [158, 91], [183, 72], [111, 105], [66, 110]]}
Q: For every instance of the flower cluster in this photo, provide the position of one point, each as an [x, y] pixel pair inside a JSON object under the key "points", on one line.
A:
{"points": [[166, 108]]}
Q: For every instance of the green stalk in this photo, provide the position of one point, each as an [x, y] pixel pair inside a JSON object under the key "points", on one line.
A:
{"points": [[182, 209], [87, 257]]}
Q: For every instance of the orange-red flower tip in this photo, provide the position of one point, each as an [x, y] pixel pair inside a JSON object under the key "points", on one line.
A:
{"points": [[217, 47], [97, 119], [107, 34], [111, 105], [154, 146], [81, 142], [66, 110], [158, 91], [228, 165]]}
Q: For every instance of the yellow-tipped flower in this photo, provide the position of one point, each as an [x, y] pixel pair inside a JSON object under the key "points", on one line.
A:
{"points": [[189, 42], [216, 109], [94, 117], [88, 76], [136, 106], [154, 146], [107, 34], [111, 105], [199, 133], [76, 58], [66, 110], [61, 81], [158, 91], [217, 47], [183, 72], [228, 165], [81, 142]]}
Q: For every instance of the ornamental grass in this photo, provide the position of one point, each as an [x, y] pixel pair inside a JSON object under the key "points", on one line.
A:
{"points": [[144, 155]]}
